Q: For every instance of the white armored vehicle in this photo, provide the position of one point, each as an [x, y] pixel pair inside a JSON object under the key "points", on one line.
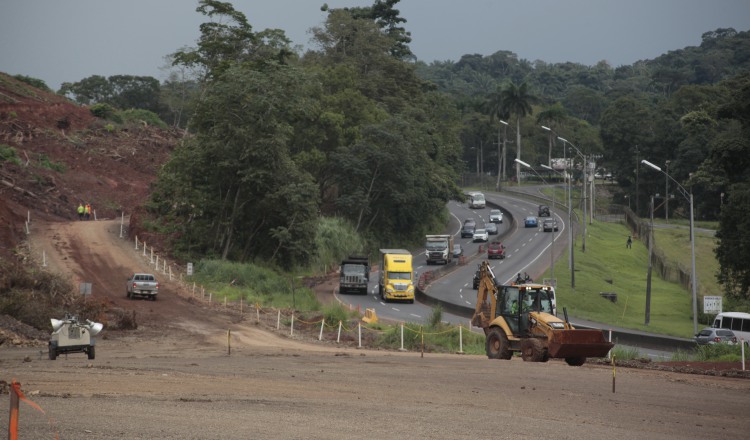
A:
{"points": [[71, 336]]}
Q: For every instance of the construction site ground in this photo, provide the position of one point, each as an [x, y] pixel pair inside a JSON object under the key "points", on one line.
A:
{"points": [[177, 377]]}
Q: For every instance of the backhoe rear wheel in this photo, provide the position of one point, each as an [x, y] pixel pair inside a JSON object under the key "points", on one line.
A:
{"points": [[532, 350], [497, 345], [575, 361]]}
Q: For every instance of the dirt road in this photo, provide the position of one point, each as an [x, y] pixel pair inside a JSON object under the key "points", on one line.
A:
{"points": [[174, 379]]}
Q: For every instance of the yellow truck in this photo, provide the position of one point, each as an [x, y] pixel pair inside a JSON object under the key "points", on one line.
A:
{"points": [[396, 281]]}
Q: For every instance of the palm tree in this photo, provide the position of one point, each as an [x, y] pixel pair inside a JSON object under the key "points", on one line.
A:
{"points": [[552, 117], [516, 100]]}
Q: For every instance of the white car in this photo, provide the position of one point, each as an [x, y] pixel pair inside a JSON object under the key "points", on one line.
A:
{"points": [[496, 216], [481, 235]]}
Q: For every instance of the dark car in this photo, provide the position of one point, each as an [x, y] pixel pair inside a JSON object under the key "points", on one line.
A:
{"points": [[543, 211], [457, 250], [530, 222], [715, 336], [491, 228], [468, 230], [549, 224]]}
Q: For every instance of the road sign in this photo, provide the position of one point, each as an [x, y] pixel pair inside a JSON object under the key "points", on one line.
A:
{"points": [[85, 288], [712, 304], [190, 269]]}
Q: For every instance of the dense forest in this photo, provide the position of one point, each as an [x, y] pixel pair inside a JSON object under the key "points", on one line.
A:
{"points": [[354, 136]]}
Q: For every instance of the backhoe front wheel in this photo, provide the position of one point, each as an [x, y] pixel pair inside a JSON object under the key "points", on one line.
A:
{"points": [[575, 361], [497, 344], [532, 350]]}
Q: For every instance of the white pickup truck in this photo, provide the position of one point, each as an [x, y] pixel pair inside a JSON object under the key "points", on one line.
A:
{"points": [[142, 284]]}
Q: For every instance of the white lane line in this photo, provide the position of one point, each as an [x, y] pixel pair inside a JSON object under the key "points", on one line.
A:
{"points": [[518, 249], [382, 303], [523, 245], [467, 302], [416, 316], [395, 309]]}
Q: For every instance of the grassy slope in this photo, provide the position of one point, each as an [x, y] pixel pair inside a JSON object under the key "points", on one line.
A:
{"points": [[607, 266]]}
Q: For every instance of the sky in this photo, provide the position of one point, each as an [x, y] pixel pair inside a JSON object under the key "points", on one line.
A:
{"points": [[67, 40]]}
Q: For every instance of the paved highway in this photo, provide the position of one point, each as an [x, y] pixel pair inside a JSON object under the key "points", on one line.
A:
{"points": [[527, 250]]}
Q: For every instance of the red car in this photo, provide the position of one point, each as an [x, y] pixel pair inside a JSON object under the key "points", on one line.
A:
{"points": [[496, 250]]}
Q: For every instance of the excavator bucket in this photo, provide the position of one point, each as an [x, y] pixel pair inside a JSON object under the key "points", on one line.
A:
{"points": [[578, 343]]}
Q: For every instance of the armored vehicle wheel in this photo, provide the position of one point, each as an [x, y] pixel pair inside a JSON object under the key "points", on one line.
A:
{"points": [[91, 352], [575, 361], [52, 353], [497, 345], [533, 351]]}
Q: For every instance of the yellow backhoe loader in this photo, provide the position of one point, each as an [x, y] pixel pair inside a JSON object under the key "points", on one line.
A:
{"points": [[520, 319]]}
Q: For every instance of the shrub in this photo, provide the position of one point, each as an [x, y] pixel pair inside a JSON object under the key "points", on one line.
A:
{"points": [[134, 115], [8, 154], [105, 111]]}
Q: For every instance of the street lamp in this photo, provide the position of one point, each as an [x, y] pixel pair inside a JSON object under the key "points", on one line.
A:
{"points": [[585, 166], [501, 154], [689, 196], [666, 192], [570, 222], [552, 214]]}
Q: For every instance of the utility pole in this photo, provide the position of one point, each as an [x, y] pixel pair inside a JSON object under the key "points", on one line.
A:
{"points": [[650, 264], [666, 193], [637, 166]]}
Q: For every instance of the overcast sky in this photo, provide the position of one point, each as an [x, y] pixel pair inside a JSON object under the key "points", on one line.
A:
{"points": [[68, 40]]}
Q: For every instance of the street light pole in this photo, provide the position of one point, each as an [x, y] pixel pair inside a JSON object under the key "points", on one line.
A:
{"points": [[552, 259], [650, 264], [585, 165], [666, 192], [552, 214], [693, 281], [501, 154]]}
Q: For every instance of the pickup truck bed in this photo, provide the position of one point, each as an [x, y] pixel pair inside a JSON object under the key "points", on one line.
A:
{"points": [[142, 284]]}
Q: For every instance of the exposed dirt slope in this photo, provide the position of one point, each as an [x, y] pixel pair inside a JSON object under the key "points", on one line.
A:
{"points": [[64, 155]]}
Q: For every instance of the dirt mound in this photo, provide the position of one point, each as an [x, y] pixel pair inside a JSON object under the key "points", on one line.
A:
{"points": [[55, 154]]}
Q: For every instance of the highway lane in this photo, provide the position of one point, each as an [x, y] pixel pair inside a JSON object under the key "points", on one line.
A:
{"points": [[526, 249]]}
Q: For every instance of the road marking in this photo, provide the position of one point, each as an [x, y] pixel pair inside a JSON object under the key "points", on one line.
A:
{"points": [[523, 245], [395, 309], [467, 302], [416, 316], [518, 249]]}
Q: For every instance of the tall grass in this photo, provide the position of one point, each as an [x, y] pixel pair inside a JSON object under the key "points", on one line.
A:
{"points": [[336, 239], [254, 284]]}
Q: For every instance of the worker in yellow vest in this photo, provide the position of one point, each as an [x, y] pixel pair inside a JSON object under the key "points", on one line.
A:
{"points": [[80, 211]]}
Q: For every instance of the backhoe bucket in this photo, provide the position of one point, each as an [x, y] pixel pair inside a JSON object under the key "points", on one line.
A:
{"points": [[578, 343]]}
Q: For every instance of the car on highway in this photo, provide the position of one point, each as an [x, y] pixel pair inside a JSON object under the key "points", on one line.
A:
{"points": [[457, 250], [530, 222], [468, 229], [496, 216], [710, 336], [549, 224], [491, 228], [480, 235], [543, 211], [495, 250]]}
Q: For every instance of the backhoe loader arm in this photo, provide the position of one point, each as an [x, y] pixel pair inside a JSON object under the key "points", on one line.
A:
{"points": [[486, 306]]}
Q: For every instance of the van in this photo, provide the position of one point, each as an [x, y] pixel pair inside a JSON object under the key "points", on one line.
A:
{"points": [[738, 322], [476, 200]]}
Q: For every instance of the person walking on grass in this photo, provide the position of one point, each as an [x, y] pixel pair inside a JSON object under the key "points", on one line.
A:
{"points": [[629, 243], [80, 211]]}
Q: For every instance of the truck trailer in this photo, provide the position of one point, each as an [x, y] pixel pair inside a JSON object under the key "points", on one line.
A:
{"points": [[396, 280]]}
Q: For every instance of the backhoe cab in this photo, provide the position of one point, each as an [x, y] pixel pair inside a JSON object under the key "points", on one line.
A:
{"points": [[520, 319]]}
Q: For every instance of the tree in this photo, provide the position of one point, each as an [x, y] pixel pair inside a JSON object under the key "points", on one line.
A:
{"points": [[516, 100], [92, 90]]}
